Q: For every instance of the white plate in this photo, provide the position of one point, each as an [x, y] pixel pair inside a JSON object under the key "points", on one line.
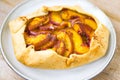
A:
{"points": [[80, 73]]}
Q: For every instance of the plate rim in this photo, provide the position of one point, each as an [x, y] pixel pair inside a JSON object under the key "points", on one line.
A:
{"points": [[1, 48], [25, 77]]}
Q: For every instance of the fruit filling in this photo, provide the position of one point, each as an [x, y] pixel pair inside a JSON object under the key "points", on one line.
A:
{"points": [[65, 32]]}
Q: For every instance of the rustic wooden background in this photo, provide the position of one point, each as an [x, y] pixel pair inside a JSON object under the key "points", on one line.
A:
{"points": [[111, 8]]}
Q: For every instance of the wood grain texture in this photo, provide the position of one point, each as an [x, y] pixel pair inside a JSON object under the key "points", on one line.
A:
{"points": [[6, 73], [112, 10]]}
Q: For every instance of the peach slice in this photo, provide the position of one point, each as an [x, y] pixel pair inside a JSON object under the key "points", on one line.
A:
{"points": [[91, 23], [77, 28], [81, 27], [47, 27], [66, 24], [50, 44], [37, 21], [61, 35], [65, 14], [55, 18], [85, 38], [59, 47], [87, 29], [37, 41], [70, 14], [77, 42], [37, 32], [63, 25]]}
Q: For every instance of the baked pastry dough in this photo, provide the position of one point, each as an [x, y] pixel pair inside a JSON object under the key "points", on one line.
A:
{"points": [[32, 56]]}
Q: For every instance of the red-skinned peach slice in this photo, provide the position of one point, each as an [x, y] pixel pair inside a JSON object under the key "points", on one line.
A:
{"points": [[91, 23], [50, 44], [68, 42], [65, 15], [77, 28], [69, 14], [85, 38], [47, 27], [37, 41], [63, 25], [66, 24], [87, 29], [59, 47], [36, 22], [37, 32], [55, 18], [77, 42]]}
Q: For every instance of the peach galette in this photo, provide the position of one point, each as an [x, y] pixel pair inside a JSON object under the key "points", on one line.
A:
{"points": [[58, 37]]}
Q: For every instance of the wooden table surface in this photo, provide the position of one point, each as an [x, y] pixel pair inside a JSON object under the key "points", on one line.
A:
{"points": [[111, 8]]}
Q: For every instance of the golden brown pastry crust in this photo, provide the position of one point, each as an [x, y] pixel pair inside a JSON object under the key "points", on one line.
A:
{"points": [[48, 58]]}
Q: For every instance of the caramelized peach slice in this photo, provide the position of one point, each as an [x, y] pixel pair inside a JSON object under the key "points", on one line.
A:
{"points": [[69, 14], [81, 27], [85, 31], [47, 27], [77, 42], [55, 18], [85, 38], [66, 24], [91, 23], [77, 28], [37, 32], [65, 14], [37, 21], [37, 41], [59, 47], [63, 25], [50, 43], [67, 40]]}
